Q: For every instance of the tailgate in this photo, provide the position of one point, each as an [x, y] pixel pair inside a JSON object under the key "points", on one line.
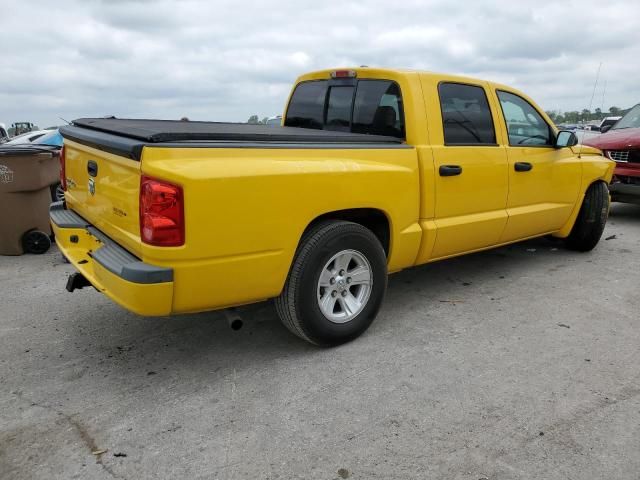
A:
{"points": [[103, 188]]}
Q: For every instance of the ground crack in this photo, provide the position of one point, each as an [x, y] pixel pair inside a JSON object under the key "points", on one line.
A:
{"points": [[84, 435]]}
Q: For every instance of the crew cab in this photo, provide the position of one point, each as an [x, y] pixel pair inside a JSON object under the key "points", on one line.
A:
{"points": [[372, 172], [621, 143]]}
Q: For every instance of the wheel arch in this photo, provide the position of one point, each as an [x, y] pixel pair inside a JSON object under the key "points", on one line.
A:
{"points": [[373, 219], [568, 226]]}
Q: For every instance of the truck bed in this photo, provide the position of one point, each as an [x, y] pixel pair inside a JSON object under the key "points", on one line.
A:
{"points": [[127, 137]]}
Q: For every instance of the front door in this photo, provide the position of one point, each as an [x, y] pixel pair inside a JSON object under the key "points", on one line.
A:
{"points": [[544, 181]]}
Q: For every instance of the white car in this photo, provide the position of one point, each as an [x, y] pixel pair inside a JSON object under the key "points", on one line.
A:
{"points": [[27, 137], [274, 121], [607, 123]]}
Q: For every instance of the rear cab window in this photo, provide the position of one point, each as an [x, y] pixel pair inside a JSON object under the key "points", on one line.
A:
{"points": [[466, 116], [338, 117], [306, 108], [367, 106]]}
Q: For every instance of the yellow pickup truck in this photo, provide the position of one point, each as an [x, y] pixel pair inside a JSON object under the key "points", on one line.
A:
{"points": [[371, 172]]}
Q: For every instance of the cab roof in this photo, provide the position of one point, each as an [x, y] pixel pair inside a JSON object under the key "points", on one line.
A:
{"points": [[366, 72]]}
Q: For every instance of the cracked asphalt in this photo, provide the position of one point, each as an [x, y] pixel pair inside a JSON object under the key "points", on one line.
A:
{"points": [[516, 363]]}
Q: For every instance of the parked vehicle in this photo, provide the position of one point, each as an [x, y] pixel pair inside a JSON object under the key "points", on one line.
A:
{"points": [[4, 134], [374, 171], [607, 123], [621, 143], [18, 128], [27, 137], [274, 121]]}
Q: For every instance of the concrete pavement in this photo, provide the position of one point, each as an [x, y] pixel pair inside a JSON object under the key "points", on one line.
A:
{"points": [[516, 363]]}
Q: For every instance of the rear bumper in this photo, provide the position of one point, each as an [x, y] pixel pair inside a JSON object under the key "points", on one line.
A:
{"points": [[137, 286]]}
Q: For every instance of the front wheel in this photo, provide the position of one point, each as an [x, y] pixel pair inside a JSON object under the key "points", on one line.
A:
{"points": [[336, 284], [587, 230]]}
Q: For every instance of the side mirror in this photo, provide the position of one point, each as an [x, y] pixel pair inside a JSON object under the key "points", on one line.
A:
{"points": [[566, 138], [606, 128]]}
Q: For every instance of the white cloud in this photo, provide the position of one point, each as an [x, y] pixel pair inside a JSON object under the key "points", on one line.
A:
{"points": [[227, 60]]}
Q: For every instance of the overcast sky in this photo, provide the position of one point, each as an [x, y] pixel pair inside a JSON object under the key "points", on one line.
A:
{"points": [[214, 60]]}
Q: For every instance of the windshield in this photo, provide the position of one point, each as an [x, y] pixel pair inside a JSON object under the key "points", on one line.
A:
{"points": [[630, 120], [52, 138]]}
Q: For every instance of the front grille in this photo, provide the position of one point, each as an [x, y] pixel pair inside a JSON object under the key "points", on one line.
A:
{"points": [[619, 155]]}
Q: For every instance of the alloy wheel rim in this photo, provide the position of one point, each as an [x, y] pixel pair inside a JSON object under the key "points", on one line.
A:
{"points": [[59, 193], [344, 286]]}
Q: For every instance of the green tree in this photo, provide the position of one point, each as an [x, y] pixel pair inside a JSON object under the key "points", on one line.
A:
{"points": [[614, 110], [598, 113], [571, 117], [253, 119]]}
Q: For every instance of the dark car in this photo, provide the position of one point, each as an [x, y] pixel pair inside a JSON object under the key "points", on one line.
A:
{"points": [[621, 143]]}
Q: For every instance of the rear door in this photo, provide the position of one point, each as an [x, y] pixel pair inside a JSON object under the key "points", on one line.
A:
{"points": [[104, 189], [544, 181], [471, 181]]}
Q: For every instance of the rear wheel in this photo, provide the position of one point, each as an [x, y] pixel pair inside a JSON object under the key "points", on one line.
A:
{"points": [[587, 230], [336, 284]]}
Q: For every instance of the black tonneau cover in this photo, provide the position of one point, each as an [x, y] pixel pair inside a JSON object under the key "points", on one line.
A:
{"points": [[174, 130], [127, 137]]}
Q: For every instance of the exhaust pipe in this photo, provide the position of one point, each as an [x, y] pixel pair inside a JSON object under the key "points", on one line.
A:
{"points": [[233, 319]]}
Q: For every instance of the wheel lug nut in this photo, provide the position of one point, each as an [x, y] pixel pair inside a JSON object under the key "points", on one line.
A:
{"points": [[344, 293], [332, 281], [334, 294], [348, 279], [341, 272]]}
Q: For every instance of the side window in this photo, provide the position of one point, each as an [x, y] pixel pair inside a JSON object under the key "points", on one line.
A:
{"points": [[339, 109], [306, 108], [525, 125], [378, 109], [466, 117]]}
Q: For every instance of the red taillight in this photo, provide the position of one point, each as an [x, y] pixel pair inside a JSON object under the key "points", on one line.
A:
{"points": [[63, 173], [161, 213]]}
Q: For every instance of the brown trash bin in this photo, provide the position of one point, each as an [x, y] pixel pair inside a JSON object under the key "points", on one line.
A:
{"points": [[26, 176]]}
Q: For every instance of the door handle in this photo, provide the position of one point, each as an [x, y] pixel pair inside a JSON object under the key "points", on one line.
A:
{"points": [[522, 166], [450, 170], [92, 168]]}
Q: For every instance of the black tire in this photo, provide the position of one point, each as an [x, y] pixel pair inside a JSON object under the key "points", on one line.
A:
{"points": [[587, 230], [36, 242], [298, 306], [57, 193]]}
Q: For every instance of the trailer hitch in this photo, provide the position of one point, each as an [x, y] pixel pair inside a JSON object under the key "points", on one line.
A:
{"points": [[77, 281]]}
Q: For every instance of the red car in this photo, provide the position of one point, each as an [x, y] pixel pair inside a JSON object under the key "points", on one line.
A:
{"points": [[622, 144]]}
